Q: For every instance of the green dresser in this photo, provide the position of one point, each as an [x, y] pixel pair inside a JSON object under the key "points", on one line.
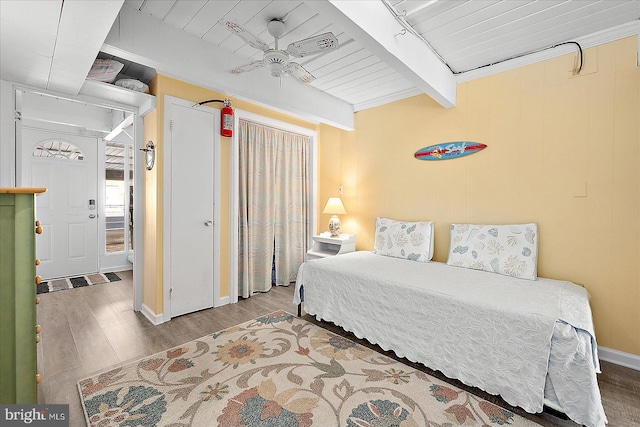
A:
{"points": [[18, 325]]}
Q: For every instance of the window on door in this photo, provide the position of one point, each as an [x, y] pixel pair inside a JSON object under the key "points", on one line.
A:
{"points": [[118, 196]]}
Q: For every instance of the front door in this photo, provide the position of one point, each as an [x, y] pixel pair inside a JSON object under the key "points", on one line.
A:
{"points": [[66, 165], [192, 206]]}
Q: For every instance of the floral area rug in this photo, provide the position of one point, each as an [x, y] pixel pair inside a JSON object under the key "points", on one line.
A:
{"points": [[279, 371]]}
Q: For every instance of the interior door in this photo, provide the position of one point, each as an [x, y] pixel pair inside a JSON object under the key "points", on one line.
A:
{"points": [[192, 208], [66, 165]]}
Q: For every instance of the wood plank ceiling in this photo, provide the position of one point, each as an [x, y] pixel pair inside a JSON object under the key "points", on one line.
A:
{"points": [[386, 48], [465, 34]]}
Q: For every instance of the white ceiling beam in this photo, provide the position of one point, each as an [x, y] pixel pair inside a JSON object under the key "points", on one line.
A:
{"points": [[53, 109], [144, 39], [83, 27], [372, 25], [120, 127]]}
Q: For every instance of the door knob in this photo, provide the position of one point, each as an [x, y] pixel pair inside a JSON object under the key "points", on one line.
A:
{"points": [[208, 223], [92, 216]]}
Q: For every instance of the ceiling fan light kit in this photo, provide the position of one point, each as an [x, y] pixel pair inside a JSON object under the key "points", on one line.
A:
{"points": [[276, 59]]}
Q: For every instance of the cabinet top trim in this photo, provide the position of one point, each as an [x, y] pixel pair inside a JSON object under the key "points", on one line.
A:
{"points": [[22, 190]]}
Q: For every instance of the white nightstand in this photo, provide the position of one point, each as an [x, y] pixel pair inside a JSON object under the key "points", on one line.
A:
{"points": [[324, 245]]}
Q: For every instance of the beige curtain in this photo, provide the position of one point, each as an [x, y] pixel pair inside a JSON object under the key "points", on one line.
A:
{"points": [[274, 205]]}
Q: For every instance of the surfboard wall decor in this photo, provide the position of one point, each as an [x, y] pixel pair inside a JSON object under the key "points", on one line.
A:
{"points": [[449, 150]]}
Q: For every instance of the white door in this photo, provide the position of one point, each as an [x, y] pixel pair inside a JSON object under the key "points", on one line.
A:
{"points": [[192, 206], [66, 165]]}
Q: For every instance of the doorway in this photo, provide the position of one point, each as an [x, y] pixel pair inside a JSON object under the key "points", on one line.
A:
{"points": [[84, 155], [191, 208], [66, 165]]}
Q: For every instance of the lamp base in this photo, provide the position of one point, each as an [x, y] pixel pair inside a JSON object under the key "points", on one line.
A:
{"points": [[334, 226]]}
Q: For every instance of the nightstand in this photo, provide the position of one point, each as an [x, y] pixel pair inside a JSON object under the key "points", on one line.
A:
{"points": [[324, 245]]}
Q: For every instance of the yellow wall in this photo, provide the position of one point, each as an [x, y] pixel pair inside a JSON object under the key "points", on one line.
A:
{"points": [[562, 151], [160, 86], [152, 264]]}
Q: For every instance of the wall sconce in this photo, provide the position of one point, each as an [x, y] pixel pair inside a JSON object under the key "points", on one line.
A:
{"points": [[150, 155], [334, 207]]}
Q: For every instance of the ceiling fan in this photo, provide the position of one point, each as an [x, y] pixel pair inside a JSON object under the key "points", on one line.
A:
{"points": [[278, 60]]}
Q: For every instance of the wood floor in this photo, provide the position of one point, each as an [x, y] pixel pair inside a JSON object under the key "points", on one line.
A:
{"points": [[88, 330]]}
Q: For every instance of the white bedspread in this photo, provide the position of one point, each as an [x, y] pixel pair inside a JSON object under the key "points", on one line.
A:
{"points": [[490, 331]]}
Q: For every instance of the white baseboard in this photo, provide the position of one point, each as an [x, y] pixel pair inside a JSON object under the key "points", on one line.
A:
{"points": [[156, 319], [621, 358], [222, 301]]}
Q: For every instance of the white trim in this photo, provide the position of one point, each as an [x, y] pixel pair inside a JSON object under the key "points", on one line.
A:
{"points": [[101, 95], [222, 301], [279, 124], [234, 196], [145, 103], [154, 318], [217, 301], [621, 358], [7, 135], [616, 33], [166, 205], [138, 211], [116, 268], [638, 45], [166, 209]]}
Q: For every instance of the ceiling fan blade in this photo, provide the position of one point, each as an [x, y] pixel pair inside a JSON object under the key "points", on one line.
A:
{"points": [[247, 67], [315, 44], [299, 72], [244, 34]]}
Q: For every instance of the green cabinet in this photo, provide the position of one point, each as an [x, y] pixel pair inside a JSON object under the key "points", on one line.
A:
{"points": [[18, 381]]}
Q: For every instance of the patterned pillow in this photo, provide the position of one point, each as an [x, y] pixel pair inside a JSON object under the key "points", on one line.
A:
{"points": [[511, 250], [402, 239]]}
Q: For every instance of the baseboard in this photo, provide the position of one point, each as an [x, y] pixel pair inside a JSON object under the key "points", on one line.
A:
{"points": [[621, 358], [115, 268], [155, 319], [222, 301]]}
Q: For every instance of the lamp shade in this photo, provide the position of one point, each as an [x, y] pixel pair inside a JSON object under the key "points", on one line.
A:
{"points": [[334, 207]]}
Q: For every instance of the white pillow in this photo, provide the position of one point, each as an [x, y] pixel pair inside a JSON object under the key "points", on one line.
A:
{"points": [[403, 239], [510, 250]]}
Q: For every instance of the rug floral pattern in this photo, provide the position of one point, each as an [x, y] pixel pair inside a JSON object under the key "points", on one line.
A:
{"points": [[277, 371]]}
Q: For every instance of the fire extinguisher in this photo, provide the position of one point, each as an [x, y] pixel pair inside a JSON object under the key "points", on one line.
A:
{"points": [[226, 116], [226, 119]]}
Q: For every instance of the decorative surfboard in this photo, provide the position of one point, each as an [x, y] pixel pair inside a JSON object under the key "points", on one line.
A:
{"points": [[448, 150]]}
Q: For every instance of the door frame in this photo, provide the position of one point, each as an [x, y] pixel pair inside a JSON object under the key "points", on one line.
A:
{"points": [[140, 105], [166, 204], [234, 195], [22, 153]]}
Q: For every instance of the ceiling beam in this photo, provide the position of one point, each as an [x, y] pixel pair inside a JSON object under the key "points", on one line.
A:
{"points": [[372, 25], [146, 40], [82, 29], [53, 109], [120, 127]]}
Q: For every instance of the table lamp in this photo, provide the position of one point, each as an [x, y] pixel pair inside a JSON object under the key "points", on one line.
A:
{"points": [[334, 207]]}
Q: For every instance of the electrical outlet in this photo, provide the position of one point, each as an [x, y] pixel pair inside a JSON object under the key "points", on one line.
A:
{"points": [[340, 190]]}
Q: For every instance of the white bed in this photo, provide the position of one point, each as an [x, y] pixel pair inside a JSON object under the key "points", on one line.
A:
{"points": [[530, 341]]}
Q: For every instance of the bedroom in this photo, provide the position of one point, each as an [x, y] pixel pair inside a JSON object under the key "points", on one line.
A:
{"points": [[562, 151]]}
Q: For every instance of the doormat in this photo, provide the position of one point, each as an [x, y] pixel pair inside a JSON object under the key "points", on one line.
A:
{"points": [[76, 282]]}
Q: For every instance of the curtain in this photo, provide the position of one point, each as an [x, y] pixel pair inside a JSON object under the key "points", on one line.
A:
{"points": [[274, 205]]}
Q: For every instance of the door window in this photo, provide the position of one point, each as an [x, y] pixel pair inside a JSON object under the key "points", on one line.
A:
{"points": [[58, 149]]}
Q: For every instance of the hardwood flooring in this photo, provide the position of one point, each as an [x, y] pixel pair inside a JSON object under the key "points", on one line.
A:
{"points": [[88, 330]]}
